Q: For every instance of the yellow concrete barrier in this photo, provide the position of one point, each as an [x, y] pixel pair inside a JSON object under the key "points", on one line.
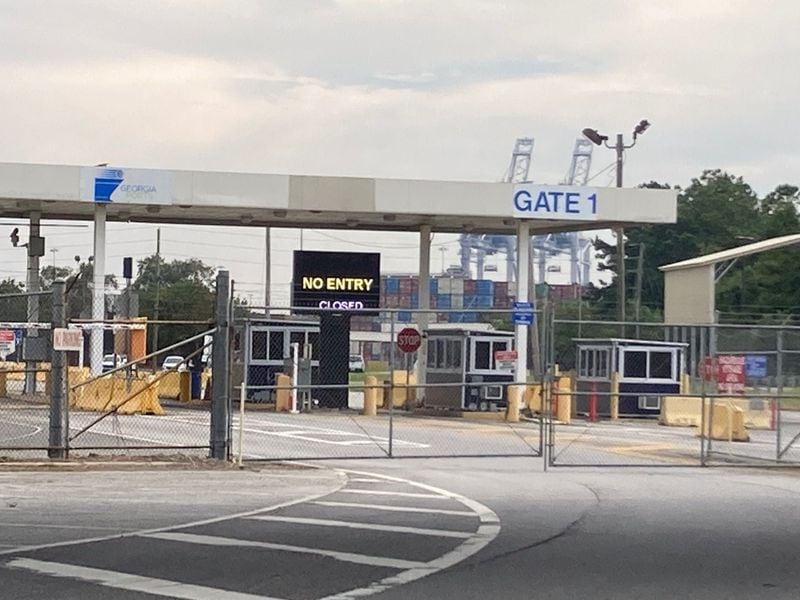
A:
{"points": [[564, 400], [515, 393], [3, 386], [685, 411], [370, 396], [725, 422], [185, 391], [680, 411], [283, 395], [533, 397], [169, 385], [128, 396], [614, 400], [401, 394]]}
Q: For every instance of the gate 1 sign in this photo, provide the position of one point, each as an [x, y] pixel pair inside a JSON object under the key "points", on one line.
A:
{"points": [[8, 342], [409, 340]]}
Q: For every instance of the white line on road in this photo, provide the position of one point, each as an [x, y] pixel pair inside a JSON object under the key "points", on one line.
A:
{"points": [[134, 583], [361, 559], [413, 509], [367, 480], [400, 494], [44, 526], [370, 526]]}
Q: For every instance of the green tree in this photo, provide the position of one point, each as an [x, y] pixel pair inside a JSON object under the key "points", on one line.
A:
{"points": [[13, 309], [179, 290]]}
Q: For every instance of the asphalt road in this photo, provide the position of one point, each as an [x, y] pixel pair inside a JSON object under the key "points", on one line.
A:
{"points": [[438, 528]]}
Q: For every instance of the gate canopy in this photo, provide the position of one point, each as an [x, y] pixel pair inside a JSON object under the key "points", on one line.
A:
{"points": [[216, 198]]}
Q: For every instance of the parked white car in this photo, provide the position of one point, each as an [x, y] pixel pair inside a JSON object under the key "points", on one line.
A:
{"points": [[173, 363], [356, 363]]}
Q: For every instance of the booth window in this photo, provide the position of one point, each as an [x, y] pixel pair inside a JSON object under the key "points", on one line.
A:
{"points": [[635, 364], [593, 363], [483, 356], [661, 365], [432, 354], [313, 341], [258, 348], [454, 354], [276, 345], [441, 356]]}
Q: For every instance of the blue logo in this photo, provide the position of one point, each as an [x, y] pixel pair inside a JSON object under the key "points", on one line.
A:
{"points": [[106, 183]]}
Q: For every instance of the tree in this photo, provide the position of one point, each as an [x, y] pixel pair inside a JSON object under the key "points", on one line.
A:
{"points": [[180, 290], [13, 309], [79, 287]]}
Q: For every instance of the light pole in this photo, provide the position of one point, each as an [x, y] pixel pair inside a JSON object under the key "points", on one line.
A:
{"points": [[620, 147]]}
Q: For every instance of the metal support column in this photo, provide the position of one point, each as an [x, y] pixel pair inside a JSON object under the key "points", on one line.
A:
{"points": [[267, 269], [57, 378], [32, 285], [523, 260], [98, 290], [424, 305], [220, 370]]}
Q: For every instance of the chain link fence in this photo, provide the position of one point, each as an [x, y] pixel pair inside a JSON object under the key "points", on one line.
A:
{"points": [[639, 394], [320, 384]]}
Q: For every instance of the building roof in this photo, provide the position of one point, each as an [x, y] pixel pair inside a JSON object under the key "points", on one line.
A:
{"points": [[734, 253]]}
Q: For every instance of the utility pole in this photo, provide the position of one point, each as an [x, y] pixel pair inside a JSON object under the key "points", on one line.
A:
{"points": [[619, 148], [158, 290], [267, 269], [639, 275]]}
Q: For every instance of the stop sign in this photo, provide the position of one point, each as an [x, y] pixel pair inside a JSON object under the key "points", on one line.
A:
{"points": [[409, 339]]}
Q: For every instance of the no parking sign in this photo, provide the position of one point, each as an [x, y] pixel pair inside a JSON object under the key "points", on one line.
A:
{"points": [[8, 342]]}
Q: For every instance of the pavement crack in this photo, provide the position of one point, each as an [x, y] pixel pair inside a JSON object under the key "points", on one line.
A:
{"points": [[569, 528]]}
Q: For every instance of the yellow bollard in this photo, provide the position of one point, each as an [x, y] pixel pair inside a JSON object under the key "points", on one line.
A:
{"points": [[283, 395], [514, 396], [564, 408], [686, 384], [615, 396], [3, 386], [370, 396], [185, 393]]}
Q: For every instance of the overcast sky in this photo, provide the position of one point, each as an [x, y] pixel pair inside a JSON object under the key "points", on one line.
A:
{"points": [[390, 88]]}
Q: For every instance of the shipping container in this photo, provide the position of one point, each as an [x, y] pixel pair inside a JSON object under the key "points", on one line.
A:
{"points": [[485, 287], [485, 301], [434, 286], [457, 286], [470, 287], [456, 301], [404, 301], [414, 285], [444, 285], [392, 301], [405, 285], [404, 316], [443, 301], [501, 287], [392, 285]]}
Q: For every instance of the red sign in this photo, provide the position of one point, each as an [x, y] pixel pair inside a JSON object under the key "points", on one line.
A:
{"points": [[505, 359], [409, 340], [728, 371]]}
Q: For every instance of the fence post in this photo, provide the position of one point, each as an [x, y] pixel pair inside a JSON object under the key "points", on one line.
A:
{"points": [[219, 371], [57, 384], [778, 393]]}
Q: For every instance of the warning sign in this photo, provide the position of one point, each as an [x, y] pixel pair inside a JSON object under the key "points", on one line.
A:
{"points": [[728, 371], [8, 342]]}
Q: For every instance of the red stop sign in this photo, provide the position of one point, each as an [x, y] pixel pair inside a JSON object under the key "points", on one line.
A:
{"points": [[409, 339]]}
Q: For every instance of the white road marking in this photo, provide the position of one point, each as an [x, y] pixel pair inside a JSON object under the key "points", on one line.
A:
{"points": [[370, 526], [106, 538], [366, 480], [361, 559], [488, 530], [399, 494], [134, 583], [43, 526], [413, 509]]}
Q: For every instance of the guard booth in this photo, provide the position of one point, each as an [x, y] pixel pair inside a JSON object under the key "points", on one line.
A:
{"points": [[469, 360], [268, 347], [645, 371]]}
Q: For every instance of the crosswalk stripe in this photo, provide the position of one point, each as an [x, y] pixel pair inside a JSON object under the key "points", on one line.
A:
{"points": [[370, 526], [386, 493], [414, 509], [361, 559], [134, 583]]}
